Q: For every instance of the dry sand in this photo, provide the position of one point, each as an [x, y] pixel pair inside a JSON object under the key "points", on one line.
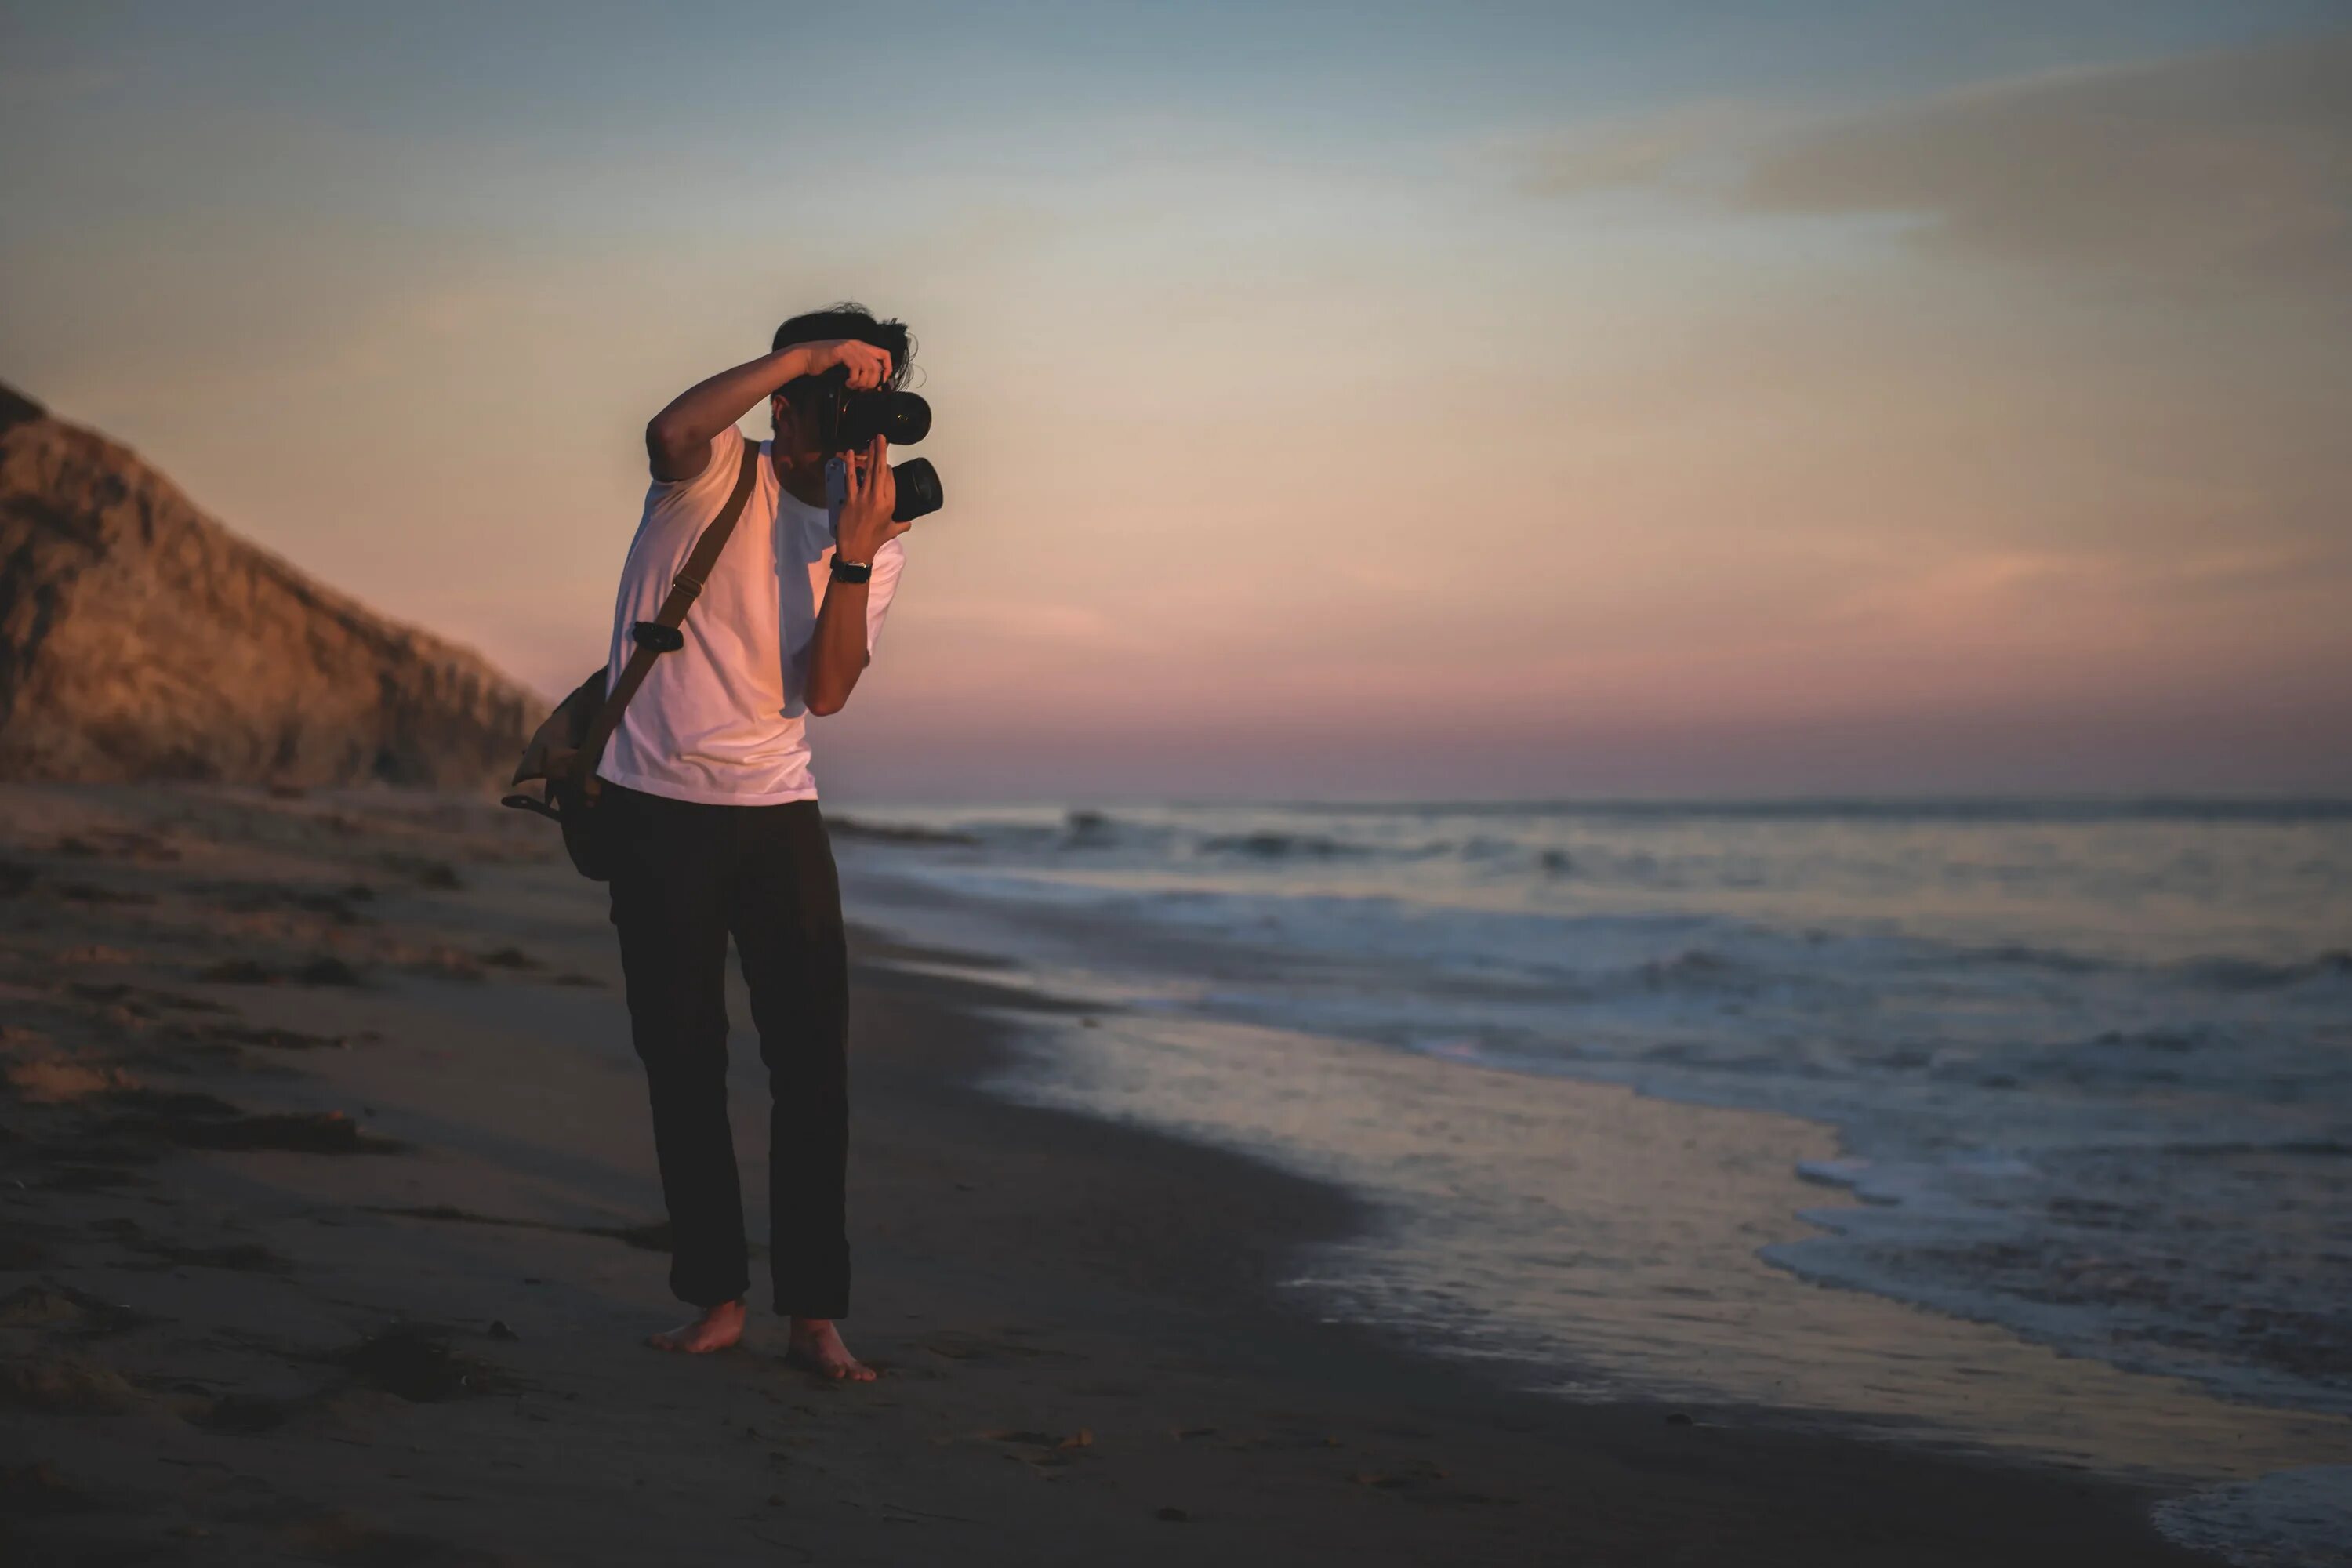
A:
{"points": [[328, 1230]]}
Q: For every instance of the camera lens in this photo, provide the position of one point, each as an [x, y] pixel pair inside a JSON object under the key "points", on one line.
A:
{"points": [[908, 419], [919, 486], [902, 419]]}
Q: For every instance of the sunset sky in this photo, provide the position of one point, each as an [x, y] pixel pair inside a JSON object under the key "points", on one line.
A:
{"points": [[1448, 400]]}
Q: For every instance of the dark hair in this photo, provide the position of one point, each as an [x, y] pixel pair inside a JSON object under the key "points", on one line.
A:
{"points": [[851, 320]]}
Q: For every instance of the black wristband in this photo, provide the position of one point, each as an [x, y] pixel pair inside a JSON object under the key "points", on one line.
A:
{"points": [[851, 571]]}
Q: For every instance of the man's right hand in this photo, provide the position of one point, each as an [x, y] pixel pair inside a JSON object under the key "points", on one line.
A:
{"points": [[677, 439], [870, 367]]}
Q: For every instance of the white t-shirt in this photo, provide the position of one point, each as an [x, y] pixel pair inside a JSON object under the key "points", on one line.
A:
{"points": [[724, 720]]}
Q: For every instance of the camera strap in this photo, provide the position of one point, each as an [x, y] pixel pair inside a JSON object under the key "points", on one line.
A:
{"points": [[659, 635]]}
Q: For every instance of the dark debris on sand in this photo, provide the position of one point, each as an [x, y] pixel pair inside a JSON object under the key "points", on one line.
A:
{"points": [[241, 1256], [438, 875], [64, 1382], [117, 844], [296, 1131], [143, 1001], [25, 1244], [60, 1308], [323, 970], [255, 897], [242, 1416], [652, 1237], [271, 1039], [96, 894], [39, 1488], [414, 1361]]}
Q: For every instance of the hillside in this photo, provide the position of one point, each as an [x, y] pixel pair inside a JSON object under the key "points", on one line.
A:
{"points": [[141, 639]]}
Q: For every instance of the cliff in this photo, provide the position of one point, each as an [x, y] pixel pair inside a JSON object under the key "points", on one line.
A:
{"points": [[141, 639]]}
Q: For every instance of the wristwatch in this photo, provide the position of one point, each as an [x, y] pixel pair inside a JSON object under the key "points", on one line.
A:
{"points": [[851, 571]]}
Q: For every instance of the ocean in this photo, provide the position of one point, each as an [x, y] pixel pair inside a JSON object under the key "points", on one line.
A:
{"points": [[2081, 1070]]}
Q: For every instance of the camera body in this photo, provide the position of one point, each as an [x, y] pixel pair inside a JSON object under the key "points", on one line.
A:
{"points": [[844, 421]]}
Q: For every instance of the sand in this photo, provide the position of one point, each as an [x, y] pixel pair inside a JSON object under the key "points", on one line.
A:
{"points": [[329, 1231]]}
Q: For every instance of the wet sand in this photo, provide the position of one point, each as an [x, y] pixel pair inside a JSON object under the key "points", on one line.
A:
{"points": [[328, 1230]]}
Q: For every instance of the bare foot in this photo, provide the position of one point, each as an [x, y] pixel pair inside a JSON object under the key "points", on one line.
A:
{"points": [[816, 1345], [718, 1328]]}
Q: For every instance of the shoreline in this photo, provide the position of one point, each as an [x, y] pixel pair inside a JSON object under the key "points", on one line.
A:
{"points": [[2032, 1404], [1084, 1353], [1543, 1187], [1288, 1211]]}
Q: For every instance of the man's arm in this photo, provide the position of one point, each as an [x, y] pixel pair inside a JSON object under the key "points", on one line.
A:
{"points": [[837, 653], [677, 439]]}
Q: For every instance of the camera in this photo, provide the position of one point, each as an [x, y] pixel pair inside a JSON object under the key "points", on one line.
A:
{"points": [[846, 420]]}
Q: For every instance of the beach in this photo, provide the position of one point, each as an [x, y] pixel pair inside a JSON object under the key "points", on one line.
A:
{"points": [[331, 1234]]}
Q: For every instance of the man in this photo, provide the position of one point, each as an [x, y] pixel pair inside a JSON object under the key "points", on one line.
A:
{"points": [[716, 812]]}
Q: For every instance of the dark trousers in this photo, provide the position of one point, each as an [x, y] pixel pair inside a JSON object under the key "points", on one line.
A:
{"points": [[686, 875]]}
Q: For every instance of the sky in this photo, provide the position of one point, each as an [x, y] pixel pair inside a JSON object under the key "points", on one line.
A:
{"points": [[1368, 401]]}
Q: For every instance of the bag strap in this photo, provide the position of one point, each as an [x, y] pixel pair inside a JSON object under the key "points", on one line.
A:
{"points": [[684, 589]]}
